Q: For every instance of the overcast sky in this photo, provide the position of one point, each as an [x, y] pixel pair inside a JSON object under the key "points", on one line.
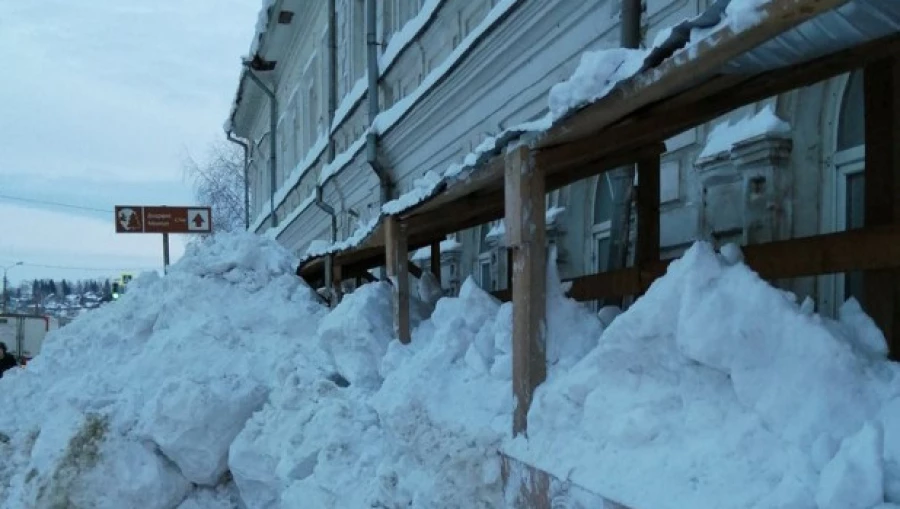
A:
{"points": [[102, 101]]}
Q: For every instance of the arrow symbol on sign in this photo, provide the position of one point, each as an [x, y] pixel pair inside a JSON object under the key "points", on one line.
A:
{"points": [[198, 220]]}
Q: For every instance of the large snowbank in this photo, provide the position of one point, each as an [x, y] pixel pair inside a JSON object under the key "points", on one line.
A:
{"points": [[725, 393], [134, 403], [224, 384]]}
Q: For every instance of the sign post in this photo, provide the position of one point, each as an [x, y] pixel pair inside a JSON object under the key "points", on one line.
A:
{"points": [[164, 220], [165, 252]]}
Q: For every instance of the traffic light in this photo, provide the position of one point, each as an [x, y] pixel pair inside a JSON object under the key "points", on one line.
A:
{"points": [[115, 290], [126, 278]]}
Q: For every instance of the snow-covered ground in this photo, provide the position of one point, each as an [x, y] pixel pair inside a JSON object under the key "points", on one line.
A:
{"points": [[226, 384]]}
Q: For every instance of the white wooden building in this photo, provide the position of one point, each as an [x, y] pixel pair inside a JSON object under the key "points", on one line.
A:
{"points": [[452, 73]]}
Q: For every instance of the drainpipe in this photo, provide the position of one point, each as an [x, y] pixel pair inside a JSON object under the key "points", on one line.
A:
{"points": [[623, 178], [332, 75], [384, 179], [273, 145], [330, 151], [329, 260], [244, 145]]}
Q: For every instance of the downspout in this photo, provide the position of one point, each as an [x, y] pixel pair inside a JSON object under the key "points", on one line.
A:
{"points": [[332, 75], [329, 259], [623, 178], [330, 152], [244, 145], [273, 145], [384, 180]]}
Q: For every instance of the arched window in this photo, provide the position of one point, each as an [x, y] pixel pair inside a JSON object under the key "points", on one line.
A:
{"points": [[849, 167], [851, 132]]}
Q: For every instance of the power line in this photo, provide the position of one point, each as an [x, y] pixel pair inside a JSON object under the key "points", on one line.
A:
{"points": [[53, 203], [70, 267], [98, 269]]}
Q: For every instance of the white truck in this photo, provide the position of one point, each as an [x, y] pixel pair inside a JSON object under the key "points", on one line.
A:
{"points": [[24, 334]]}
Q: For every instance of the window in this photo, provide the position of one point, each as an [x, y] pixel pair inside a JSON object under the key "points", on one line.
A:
{"points": [[358, 40], [312, 115], [396, 13], [852, 121], [297, 121], [602, 220], [552, 199], [849, 178], [485, 266]]}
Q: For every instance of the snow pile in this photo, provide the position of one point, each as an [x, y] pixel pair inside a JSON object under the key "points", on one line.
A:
{"points": [[407, 426], [597, 74], [726, 393], [726, 134], [225, 385], [410, 426], [136, 403]]}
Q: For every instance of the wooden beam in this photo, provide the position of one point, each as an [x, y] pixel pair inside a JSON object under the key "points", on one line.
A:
{"points": [[436, 260], [397, 257], [338, 279], [526, 234], [882, 190], [530, 487], [863, 249], [647, 241], [485, 204], [525, 486], [705, 102]]}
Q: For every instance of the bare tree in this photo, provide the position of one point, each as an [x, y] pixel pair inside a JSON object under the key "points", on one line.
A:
{"points": [[219, 182]]}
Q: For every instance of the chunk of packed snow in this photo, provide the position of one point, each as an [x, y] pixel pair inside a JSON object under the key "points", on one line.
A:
{"points": [[742, 14], [194, 423], [423, 188], [863, 328], [429, 289], [597, 73], [726, 134], [446, 246], [854, 479]]}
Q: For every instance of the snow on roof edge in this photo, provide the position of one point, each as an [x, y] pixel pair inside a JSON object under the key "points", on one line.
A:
{"points": [[262, 26]]}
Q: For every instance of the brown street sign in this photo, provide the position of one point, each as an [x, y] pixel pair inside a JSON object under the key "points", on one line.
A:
{"points": [[139, 219]]}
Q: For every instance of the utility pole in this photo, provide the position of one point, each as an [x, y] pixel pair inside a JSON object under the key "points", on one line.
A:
{"points": [[5, 284]]}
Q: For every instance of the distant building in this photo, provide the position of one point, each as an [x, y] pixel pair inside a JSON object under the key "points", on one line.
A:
{"points": [[454, 72]]}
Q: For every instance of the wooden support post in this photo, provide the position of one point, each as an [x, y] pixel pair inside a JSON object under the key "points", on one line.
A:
{"points": [[647, 242], [882, 189], [436, 260], [338, 283], [526, 227], [397, 256], [509, 270]]}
